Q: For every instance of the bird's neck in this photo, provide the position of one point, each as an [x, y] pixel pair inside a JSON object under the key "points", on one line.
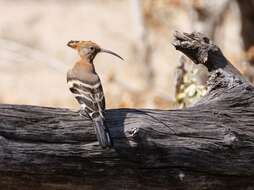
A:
{"points": [[85, 65]]}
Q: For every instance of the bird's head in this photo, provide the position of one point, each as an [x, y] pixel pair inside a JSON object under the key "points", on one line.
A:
{"points": [[89, 49]]}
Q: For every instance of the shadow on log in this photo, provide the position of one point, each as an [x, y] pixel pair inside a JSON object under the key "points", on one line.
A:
{"points": [[207, 146]]}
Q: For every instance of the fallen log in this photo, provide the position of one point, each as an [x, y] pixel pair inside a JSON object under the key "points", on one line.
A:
{"points": [[207, 146]]}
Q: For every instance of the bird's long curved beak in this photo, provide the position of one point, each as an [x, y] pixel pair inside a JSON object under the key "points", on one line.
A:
{"points": [[112, 53]]}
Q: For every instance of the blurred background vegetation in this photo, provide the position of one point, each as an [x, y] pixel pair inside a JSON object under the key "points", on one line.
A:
{"points": [[34, 57]]}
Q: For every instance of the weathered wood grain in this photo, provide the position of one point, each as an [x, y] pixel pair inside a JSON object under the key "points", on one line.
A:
{"points": [[207, 146]]}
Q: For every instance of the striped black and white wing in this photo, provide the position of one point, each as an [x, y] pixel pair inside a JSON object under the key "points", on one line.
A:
{"points": [[90, 96]]}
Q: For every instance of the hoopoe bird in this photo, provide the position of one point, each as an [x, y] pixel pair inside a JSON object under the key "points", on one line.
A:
{"points": [[86, 86]]}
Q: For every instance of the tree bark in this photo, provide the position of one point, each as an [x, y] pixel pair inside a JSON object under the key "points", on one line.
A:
{"points": [[207, 146]]}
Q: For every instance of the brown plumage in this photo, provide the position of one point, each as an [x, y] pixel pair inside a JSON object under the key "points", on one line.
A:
{"points": [[86, 86]]}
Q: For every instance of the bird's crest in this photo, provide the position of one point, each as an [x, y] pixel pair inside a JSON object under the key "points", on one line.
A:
{"points": [[90, 48], [81, 44]]}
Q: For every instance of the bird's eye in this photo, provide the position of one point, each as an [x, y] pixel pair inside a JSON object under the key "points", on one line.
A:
{"points": [[92, 48]]}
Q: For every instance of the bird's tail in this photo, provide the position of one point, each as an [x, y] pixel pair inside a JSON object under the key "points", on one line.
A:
{"points": [[102, 133]]}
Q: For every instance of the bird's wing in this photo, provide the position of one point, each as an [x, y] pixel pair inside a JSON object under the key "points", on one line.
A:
{"points": [[90, 96], [99, 97]]}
